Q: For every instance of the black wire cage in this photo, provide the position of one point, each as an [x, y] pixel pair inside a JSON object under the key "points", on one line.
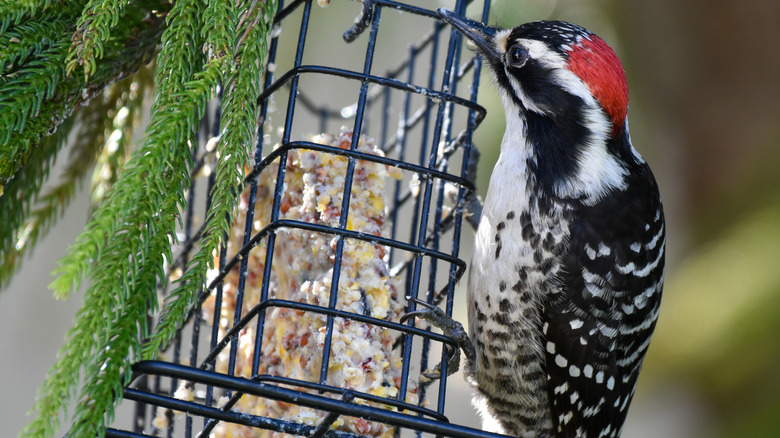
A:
{"points": [[354, 204]]}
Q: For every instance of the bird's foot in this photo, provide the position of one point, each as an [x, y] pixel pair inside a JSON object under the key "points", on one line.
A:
{"points": [[451, 328]]}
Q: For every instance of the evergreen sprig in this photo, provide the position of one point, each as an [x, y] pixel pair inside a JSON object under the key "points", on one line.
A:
{"points": [[24, 44], [92, 31], [24, 91], [17, 44], [202, 44], [131, 231], [23, 11], [176, 111], [23, 166], [28, 219], [16, 204], [247, 54]]}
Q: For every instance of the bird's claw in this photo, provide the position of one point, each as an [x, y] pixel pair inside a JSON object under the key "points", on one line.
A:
{"points": [[453, 364], [451, 328]]}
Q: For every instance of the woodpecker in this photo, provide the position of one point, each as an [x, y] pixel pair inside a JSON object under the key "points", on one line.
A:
{"points": [[565, 281]]}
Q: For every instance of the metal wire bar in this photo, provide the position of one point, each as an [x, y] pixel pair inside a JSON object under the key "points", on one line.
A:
{"points": [[261, 389]]}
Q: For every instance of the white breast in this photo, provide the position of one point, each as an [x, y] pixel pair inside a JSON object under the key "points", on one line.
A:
{"points": [[506, 287], [507, 192]]}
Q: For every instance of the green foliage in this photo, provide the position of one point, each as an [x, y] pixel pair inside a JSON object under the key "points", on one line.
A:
{"points": [[92, 31], [21, 11], [36, 97], [29, 218], [176, 111], [33, 70], [24, 90], [27, 39], [138, 199], [238, 120], [16, 204]]}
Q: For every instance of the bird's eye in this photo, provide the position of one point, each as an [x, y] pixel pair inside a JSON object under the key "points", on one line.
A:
{"points": [[517, 55]]}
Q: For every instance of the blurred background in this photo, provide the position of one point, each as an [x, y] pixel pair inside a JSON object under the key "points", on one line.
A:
{"points": [[704, 80]]}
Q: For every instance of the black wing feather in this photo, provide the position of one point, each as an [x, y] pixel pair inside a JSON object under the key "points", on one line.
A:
{"points": [[599, 327]]}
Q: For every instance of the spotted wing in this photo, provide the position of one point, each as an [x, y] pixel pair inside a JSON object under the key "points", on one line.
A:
{"points": [[597, 329]]}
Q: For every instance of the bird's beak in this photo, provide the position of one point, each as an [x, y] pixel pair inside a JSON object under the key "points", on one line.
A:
{"points": [[483, 36]]}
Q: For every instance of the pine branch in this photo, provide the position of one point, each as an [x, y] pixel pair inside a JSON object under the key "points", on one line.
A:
{"points": [[175, 65], [24, 40], [34, 212], [13, 13], [41, 79], [129, 236], [130, 265], [28, 220], [103, 385], [54, 396], [238, 120], [48, 35], [92, 31], [22, 97], [130, 47], [119, 348], [15, 204], [29, 86], [178, 57], [26, 175]]}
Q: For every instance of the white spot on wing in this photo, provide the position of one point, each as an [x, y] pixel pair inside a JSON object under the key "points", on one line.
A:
{"points": [[594, 290], [654, 242], [561, 389], [608, 331], [576, 323], [640, 301], [590, 252], [646, 322], [590, 277], [625, 403], [632, 269], [587, 371], [593, 410]]}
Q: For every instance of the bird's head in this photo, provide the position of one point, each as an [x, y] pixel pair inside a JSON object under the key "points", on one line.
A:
{"points": [[569, 89]]}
